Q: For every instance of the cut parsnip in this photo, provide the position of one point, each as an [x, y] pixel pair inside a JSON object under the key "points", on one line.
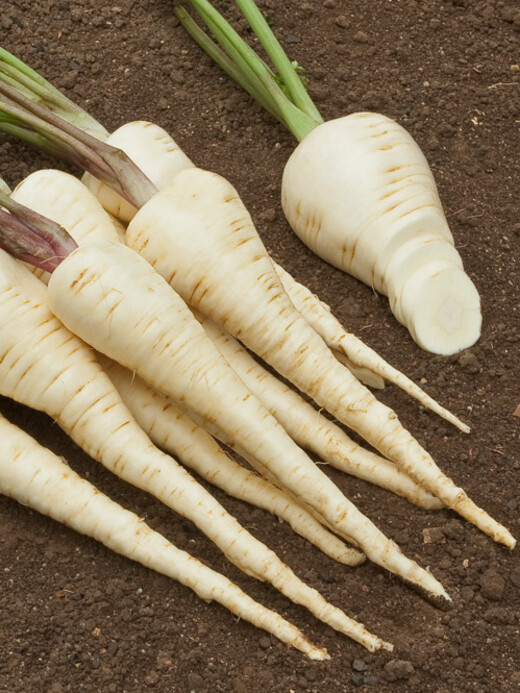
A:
{"points": [[441, 307], [371, 192]]}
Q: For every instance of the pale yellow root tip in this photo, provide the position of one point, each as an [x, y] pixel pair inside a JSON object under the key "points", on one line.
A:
{"points": [[318, 654], [471, 512]]}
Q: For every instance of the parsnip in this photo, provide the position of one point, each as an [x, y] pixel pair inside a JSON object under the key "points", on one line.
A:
{"points": [[106, 294], [198, 235], [312, 430], [172, 430], [319, 315], [35, 477], [46, 367], [357, 190]]}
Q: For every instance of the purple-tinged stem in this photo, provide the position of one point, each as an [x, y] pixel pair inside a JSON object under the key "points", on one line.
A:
{"points": [[109, 164], [32, 238]]}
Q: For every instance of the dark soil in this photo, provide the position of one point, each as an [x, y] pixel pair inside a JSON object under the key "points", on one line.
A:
{"points": [[75, 617]]}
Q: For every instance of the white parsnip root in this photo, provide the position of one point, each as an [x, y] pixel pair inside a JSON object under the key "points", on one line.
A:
{"points": [[198, 235], [312, 430], [120, 306], [359, 192], [37, 478], [320, 317], [75, 391], [159, 156], [172, 430], [59, 195], [115, 301]]}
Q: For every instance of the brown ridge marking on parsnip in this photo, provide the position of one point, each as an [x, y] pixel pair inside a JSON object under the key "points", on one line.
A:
{"points": [[203, 294], [27, 370], [115, 306], [409, 176], [431, 204], [148, 325], [89, 280], [245, 240], [143, 243], [56, 377], [125, 423], [78, 278], [353, 249], [44, 322], [392, 192], [194, 290], [89, 408], [80, 389], [165, 348], [77, 348], [17, 455], [111, 406]]}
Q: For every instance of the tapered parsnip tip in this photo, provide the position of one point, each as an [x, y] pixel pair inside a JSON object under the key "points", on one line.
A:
{"points": [[463, 505], [372, 643], [318, 654], [508, 539]]}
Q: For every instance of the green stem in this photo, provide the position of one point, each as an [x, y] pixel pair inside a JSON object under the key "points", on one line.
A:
{"points": [[244, 76], [16, 73], [243, 56], [66, 140], [274, 50]]}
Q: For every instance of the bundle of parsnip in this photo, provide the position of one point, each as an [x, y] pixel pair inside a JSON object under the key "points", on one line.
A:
{"points": [[36, 477], [197, 234], [357, 190], [74, 390]]}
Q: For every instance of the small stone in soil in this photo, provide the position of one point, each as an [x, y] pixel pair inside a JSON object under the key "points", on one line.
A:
{"points": [[360, 37], [433, 535], [359, 665], [398, 669], [265, 642]]}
